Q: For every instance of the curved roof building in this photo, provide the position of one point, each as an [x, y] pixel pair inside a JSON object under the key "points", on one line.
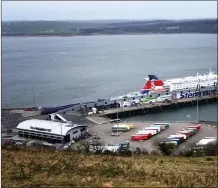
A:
{"points": [[51, 130]]}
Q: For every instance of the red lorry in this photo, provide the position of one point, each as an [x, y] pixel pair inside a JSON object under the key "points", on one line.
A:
{"points": [[140, 137]]}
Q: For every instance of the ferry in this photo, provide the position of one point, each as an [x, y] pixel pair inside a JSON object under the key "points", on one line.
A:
{"points": [[155, 85], [155, 90]]}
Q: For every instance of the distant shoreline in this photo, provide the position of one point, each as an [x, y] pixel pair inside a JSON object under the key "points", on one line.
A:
{"points": [[80, 35]]}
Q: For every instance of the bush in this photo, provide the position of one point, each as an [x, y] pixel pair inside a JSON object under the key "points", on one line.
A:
{"points": [[209, 159], [189, 153], [144, 152], [166, 148], [137, 151], [211, 149], [125, 153]]}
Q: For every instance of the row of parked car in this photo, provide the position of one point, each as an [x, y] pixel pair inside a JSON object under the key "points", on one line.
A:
{"points": [[182, 135], [149, 131]]}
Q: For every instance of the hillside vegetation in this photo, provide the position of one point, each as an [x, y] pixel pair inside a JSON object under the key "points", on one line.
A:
{"points": [[92, 27], [31, 167]]}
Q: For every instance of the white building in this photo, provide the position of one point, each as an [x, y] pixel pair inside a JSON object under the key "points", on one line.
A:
{"points": [[50, 130]]}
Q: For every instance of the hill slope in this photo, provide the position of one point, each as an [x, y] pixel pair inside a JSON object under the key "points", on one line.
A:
{"points": [[24, 167]]}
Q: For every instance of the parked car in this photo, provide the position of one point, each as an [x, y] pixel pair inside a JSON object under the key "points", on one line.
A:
{"points": [[116, 134], [96, 137]]}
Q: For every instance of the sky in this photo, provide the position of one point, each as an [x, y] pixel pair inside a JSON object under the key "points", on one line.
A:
{"points": [[91, 10]]}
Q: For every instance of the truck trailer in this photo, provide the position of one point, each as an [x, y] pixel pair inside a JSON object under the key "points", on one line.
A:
{"points": [[139, 137]]}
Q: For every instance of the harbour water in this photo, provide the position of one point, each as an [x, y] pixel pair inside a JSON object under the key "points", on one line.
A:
{"points": [[64, 70]]}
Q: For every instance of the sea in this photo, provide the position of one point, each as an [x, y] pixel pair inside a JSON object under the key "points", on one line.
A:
{"points": [[54, 71]]}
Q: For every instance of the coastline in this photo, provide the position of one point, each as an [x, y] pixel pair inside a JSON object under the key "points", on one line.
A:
{"points": [[82, 35]]}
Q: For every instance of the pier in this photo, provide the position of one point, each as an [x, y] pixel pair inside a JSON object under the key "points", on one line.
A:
{"points": [[156, 107]]}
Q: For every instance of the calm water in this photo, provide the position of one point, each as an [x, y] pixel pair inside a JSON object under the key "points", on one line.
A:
{"points": [[64, 70]]}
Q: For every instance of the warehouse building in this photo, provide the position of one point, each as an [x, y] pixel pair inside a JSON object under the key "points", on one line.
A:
{"points": [[51, 131]]}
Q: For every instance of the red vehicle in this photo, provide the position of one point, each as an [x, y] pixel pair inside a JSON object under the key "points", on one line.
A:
{"points": [[139, 137], [198, 127], [187, 133]]}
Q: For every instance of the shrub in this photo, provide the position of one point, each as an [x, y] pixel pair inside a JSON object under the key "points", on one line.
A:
{"points": [[188, 153], [209, 159], [166, 148]]}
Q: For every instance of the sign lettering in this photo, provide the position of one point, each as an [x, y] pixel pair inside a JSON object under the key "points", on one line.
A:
{"points": [[198, 93]]}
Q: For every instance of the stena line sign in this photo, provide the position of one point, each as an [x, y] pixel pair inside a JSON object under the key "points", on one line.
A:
{"points": [[195, 94]]}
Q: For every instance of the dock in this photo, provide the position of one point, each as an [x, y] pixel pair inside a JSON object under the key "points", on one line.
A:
{"points": [[156, 107]]}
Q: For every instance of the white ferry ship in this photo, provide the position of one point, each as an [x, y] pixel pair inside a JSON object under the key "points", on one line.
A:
{"points": [[154, 84]]}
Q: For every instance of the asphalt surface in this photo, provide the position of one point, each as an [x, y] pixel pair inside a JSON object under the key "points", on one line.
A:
{"points": [[11, 120], [104, 131]]}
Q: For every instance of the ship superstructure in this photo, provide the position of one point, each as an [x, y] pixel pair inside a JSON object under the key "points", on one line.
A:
{"points": [[155, 85], [191, 82]]}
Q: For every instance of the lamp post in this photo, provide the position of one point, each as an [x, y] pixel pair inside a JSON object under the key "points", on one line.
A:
{"points": [[117, 118], [6, 102], [61, 134], [34, 98], [198, 94], [188, 120], [8, 111]]}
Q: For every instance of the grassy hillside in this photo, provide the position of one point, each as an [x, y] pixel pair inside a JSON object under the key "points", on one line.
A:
{"points": [[28, 167]]}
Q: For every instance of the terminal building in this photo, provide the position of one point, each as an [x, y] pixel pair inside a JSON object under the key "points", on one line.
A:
{"points": [[51, 131]]}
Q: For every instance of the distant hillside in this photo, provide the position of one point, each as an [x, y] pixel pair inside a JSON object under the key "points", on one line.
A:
{"points": [[96, 27]]}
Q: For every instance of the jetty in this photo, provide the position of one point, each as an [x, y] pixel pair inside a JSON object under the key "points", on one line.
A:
{"points": [[113, 113]]}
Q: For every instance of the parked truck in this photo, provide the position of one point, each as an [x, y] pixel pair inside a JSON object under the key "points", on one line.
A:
{"points": [[139, 137], [159, 128], [165, 125], [183, 137], [152, 131], [131, 126], [178, 140], [149, 133], [120, 128], [152, 128], [187, 133]]}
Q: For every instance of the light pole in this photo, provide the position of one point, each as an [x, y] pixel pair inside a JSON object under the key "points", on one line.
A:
{"points": [[61, 134], [6, 103], [8, 111], [188, 116], [34, 98], [198, 94], [117, 118]]}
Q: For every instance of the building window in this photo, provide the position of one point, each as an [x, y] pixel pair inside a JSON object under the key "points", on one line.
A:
{"points": [[83, 129], [75, 132]]}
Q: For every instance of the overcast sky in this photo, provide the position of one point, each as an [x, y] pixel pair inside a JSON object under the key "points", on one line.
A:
{"points": [[87, 10]]}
